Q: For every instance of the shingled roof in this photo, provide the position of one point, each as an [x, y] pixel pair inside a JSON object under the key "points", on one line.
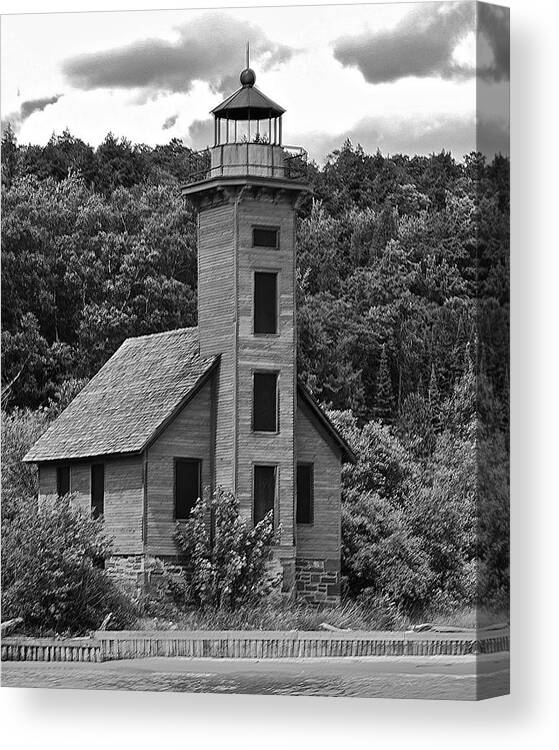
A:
{"points": [[135, 394]]}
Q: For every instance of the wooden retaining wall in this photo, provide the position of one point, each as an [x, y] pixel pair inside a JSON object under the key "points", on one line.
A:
{"points": [[49, 649], [293, 644], [110, 645]]}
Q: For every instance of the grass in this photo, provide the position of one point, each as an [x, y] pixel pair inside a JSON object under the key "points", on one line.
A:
{"points": [[299, 616], [468, 617], [267, 616]]}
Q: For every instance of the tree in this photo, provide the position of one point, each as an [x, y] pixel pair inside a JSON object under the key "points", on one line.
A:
{"points": [[434, 397], [20, 429], [81, 272], [318, 249], [384, 394], [381, 558], [9, 152], [118, 164]]}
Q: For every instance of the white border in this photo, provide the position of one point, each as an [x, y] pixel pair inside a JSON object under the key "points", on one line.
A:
{"points": [[94, 719]]}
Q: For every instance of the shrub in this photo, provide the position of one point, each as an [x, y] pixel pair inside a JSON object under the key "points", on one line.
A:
{"points": [[381, 557], [51, 575], [226, 568]]}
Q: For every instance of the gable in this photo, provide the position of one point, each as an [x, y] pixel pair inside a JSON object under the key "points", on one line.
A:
{"points": [[311, 438], [323, 423]]}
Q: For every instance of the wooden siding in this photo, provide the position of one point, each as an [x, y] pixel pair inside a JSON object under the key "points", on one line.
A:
{"points": [[226, 265], [123, 497], [80, 485], [47, 482], [274, 352], [217, 323], [322, 539], [124, 502], [187, 436]]}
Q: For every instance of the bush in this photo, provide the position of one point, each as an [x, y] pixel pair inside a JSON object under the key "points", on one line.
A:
{"points": [[381, 557], [51, 573], [228, 568]]}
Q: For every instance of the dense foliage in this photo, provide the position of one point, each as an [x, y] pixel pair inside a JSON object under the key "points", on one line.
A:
{"points": [[402, 310], [51, 572], [226, 559]]}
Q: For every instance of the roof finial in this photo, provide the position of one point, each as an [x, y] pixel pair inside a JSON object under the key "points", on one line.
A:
{"points": [[248, 76]]}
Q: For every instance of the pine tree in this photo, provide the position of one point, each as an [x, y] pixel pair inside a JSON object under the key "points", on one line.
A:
{"points": [[434, 397], [9, 155], [384, 393]]}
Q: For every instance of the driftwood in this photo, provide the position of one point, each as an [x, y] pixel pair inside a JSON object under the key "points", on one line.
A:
{"points": [[457, 629], [332, 628], [105, 622], [10, 625]]}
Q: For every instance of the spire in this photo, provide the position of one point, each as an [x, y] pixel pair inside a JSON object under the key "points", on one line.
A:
{"points": [[248, 76]]}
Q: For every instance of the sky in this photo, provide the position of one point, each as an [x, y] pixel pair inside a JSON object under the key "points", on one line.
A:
{"points": [[403, 78]]}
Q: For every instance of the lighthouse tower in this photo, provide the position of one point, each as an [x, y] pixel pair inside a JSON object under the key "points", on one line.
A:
{"points": [[247, 197]]}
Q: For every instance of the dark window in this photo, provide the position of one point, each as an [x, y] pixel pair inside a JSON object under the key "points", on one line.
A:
{"points": [[265, 302], [264, 491], [265, 402], [265, 237], [62, 480], [305, 509], [97, 490], [187, 486]]}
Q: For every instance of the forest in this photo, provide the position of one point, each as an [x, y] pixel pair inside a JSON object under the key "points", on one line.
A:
{"points": [[403, 334]]}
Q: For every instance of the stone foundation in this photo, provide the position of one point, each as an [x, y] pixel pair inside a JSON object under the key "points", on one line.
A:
{"points": [[318, 581], [128, 571], [136, 573]]}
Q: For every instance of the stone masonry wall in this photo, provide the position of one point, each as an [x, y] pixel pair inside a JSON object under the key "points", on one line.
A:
{"points": [[136, 573], [318, 581], [129, 571]]}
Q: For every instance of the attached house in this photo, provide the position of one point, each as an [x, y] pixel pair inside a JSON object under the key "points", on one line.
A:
{"points": [[174, 413]]}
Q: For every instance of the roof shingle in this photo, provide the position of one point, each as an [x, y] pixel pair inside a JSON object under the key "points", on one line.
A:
{"points": [[141, 386]]}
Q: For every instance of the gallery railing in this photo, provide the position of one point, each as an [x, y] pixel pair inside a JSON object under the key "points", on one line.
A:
{"points": [[285, 162]]}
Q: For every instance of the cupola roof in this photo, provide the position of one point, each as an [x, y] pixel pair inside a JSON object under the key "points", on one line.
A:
{"points": [[248, 102]]}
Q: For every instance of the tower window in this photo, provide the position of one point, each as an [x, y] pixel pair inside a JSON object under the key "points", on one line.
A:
{"points": [[62, 480], [265, 402], [265, 302], [305, 499], [264, 491], [265, 237], [97, 490], [188, 486]]}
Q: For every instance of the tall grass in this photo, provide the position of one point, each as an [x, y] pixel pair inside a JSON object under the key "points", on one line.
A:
{"points": [[300, 616]]}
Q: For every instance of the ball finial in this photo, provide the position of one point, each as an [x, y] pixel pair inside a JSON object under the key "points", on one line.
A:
{"points": [[248, 77]]}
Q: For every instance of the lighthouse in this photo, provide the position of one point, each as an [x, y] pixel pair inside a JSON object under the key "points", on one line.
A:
{"points": [[175, 414], [247, 200]]}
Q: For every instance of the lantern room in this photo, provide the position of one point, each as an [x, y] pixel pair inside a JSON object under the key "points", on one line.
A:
{"points": [[248, 116], [248, 140]]}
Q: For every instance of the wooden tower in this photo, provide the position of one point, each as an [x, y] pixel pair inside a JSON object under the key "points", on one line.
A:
{"points": [[246, 195]]}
